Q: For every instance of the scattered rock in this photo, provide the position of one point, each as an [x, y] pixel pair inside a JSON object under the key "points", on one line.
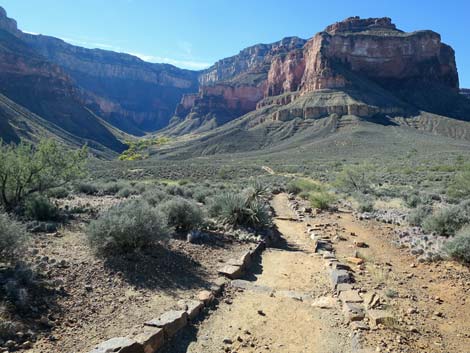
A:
{"points": [[353, 312], [380, 317], [206, 297], [325, 303], [350, 296]]}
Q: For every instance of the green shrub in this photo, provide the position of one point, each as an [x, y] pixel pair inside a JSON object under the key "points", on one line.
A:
{"points": [[12, 237], [365, 205], [448, 221], [321, 199], [176, 190], [41, 209], [412, 200], [112, 188], [459, 247], [201, 195], [127, 227], [182, 214], [155, 196], [237, 209], [87, 188], [356, 178], [126, 192], [416, 216], [460, 186], [300, 185], [26, 169], [59, 193]]}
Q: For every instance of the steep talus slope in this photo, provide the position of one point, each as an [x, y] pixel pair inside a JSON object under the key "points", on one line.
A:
{"points": [[133, 95], [47, 91]]}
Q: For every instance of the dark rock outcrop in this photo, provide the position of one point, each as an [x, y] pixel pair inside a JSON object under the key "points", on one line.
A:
{"points": [[465, 92]]}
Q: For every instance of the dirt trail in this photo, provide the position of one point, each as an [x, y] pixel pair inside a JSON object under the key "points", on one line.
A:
{"points": [[275, 313]]}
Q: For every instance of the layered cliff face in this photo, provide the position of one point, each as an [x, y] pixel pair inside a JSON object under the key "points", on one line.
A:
{"points": [[373, 48], [230, 88], [367, 60], [133, 95], [47, 91], [351, 56]]}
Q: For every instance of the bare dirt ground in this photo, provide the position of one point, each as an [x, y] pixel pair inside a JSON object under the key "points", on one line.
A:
{"points": [[97, 298], [431, 301], [275, 312]]}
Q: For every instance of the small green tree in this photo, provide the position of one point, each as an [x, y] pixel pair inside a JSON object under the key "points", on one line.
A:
{"points": [[356, 178], [26, 169], [460, 185]]}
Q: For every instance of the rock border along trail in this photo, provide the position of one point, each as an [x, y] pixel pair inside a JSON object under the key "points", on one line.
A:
{"points": [[324, 287], [275, 308]]}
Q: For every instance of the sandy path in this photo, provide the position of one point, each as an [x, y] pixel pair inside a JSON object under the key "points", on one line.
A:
{"points": [[274, 318]]}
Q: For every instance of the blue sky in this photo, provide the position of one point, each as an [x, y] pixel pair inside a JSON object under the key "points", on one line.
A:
{"points": [[194, 34]]}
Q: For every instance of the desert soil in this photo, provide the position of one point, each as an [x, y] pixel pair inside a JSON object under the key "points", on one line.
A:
{"points": [[430, 302], [96, 298]]}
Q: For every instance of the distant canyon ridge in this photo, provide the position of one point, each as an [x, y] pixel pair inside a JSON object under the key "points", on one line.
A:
{"points": [[100, 97]]}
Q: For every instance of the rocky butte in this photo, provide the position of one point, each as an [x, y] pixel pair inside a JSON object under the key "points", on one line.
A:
{"points": [[345, 55]]}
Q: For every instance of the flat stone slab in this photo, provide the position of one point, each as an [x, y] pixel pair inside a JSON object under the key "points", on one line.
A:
{"points": [[359, 325], [380, 317], [350, 296], [353, 312], [344, 287], [236, 262], [246, 259], [325, 303], [120, 345], [340, 276], [232, 272], [340, 266], [171, 321], [192, 307], [247, 285], [152, 339]]}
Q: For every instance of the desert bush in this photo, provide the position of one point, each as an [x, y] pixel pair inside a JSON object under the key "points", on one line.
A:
{"points": [[459, 247], [126, 192], [321, 199], [87, 188], [412, 200], [59, 193], [26, 169], [155, 196], [176, 190], [448, 221], [12, 237], [182, 214], [112, 188], [303, 185], [416, 216], [237, 209], [460, 185], [127, 227], [201, 195], [356, 178], [365, 204], [40, 208], [257, 189]]}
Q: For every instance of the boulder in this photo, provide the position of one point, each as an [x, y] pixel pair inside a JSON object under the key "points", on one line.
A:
{"points": [[171, 321], [119, 345], [192, 307]]}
